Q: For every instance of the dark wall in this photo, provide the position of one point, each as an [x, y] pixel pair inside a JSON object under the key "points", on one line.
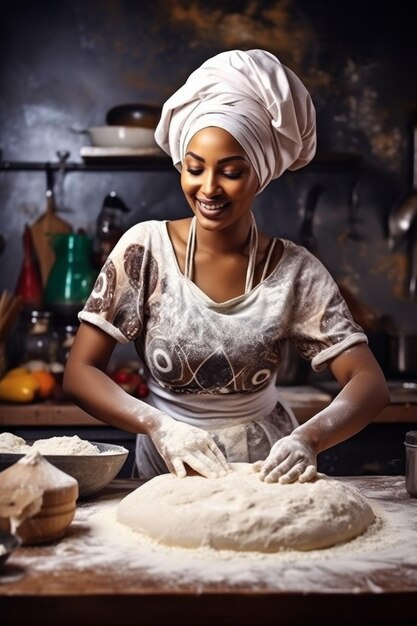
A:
{"points": [[64, 64]]}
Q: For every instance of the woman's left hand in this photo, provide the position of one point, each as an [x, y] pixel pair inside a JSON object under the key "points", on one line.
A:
{"points": [[290, 459]]}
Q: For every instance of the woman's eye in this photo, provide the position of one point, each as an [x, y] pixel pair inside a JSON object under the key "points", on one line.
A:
{"points": [[232, 175], [194, 172]]}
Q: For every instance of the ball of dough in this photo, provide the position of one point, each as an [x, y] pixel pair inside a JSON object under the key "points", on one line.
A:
{"points": [[240, 512]]}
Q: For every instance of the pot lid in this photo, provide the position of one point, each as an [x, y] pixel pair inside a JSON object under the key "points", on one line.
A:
{"points": [[411, 437]]}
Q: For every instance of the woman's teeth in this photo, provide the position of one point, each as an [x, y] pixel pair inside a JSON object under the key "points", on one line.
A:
{"points": [[212, 207]]}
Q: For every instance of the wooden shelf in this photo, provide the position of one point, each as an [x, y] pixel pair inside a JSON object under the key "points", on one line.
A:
{"points": [[149, 163], [322, 161], [67, 414], [45, 414]]}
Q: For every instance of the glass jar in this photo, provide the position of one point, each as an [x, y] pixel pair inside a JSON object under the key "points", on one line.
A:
{"points": [[67, 337], [37, 339]]}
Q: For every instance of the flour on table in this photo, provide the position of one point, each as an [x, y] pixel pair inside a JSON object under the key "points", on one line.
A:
{"points": [[99, 545], [240, 512], [66, 445]]}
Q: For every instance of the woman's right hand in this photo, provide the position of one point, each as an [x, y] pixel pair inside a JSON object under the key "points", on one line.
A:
{"points": [[181, 444]]}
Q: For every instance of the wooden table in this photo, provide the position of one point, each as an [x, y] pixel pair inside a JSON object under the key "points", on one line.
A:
{"points": [[96, 575]]}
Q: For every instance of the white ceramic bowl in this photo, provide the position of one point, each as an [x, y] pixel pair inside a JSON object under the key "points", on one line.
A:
{"points": [[93, 472], [122, 137]]}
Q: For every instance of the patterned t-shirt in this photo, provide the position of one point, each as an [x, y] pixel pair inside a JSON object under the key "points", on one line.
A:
{"points": [[214, 364], [191, 344]]}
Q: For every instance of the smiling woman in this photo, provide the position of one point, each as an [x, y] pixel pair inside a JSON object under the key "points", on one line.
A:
{"points": [[210, 301]]}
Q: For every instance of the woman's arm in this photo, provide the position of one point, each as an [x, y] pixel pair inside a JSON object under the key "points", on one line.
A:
{"points": [[364, 394], [86, 382]]}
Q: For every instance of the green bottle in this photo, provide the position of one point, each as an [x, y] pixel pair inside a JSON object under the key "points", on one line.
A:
{"points": [[72, 276]]}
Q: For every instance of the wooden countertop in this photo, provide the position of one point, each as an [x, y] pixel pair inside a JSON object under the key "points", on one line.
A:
{"points": [[94, 575], [304, 403]]}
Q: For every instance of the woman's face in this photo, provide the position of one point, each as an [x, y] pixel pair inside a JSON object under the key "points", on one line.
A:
{"points": [[217, 178]]}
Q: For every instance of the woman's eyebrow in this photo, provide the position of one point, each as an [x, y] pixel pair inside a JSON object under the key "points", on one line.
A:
{"points": [[225, 160]]}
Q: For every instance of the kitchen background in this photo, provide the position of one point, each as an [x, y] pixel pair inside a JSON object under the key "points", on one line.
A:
{"points": [[65, 64]]}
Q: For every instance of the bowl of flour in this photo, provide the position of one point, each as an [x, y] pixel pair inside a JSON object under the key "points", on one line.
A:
{"points": [[93, 464]]}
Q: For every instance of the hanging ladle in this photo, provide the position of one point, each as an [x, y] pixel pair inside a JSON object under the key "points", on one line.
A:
{"points": [[404, 213], [402, 218]]}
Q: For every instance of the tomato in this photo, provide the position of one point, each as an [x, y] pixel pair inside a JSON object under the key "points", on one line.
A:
{"points": [[46, 381], [142, 390], [121, 377]]}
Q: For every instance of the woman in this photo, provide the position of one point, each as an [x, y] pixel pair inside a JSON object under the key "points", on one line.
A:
{"points": [[209, 301]]}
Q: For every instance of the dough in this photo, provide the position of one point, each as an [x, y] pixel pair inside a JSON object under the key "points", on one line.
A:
{"points": [[240, 512]]}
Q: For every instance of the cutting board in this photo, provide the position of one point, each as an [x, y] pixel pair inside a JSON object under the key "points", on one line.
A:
{"points": [[47, 224]]}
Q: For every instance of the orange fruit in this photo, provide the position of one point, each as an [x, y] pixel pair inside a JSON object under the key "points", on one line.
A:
{"points": [[46, 382]]}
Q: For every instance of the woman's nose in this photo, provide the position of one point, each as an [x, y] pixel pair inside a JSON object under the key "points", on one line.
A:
{"points": [[210, 185]]}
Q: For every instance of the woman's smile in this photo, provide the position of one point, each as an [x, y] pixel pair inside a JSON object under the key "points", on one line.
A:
{"points": [[211, 205], [212, 210]]}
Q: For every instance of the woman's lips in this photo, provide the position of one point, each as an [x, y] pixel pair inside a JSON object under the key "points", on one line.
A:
{"points": [[211, 209]]}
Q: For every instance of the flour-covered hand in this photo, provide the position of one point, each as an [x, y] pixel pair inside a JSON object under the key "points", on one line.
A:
{"points": [[290, 459], [181, 444]]}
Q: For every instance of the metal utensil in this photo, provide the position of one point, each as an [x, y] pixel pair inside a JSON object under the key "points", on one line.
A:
{"points": [[353, 220], [8, 543], [412, 284], [401, 219], [306, 228], [402, 222], [404, 213]]}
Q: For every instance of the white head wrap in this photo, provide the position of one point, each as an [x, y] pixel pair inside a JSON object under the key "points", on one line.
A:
{"points": [[259, 101]]}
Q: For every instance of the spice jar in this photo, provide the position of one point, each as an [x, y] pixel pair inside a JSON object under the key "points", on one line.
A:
{"points": [[109, 227], [66, 341], [411, 462], [37, 340]]}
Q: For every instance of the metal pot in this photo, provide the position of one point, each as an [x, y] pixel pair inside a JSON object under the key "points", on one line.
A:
{"points": [[411, 462], [138, 115], [402, 351]]}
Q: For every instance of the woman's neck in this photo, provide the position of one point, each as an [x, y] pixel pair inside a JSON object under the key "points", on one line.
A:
{"points": [[234, 239]]}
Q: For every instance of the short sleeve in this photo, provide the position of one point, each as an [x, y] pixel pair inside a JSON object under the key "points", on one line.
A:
{"points": [[322, 325], [118, 300]]}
